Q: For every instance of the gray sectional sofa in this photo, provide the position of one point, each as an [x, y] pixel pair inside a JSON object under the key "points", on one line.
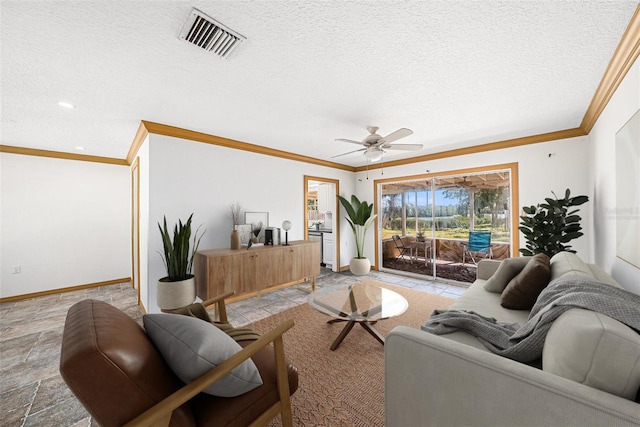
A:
{"points": [[589, 372]]}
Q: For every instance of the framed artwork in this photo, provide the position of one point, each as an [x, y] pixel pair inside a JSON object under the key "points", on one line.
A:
{"points": [[245, 233], [255, 218], [627, 208]]}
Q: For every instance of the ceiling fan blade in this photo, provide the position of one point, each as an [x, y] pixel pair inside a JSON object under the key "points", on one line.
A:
{"points": [[350, 152], [349, 140], [394, 136], [408, 147]]}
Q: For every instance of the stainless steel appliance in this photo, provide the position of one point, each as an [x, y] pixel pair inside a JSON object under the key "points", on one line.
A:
{"points": [[316, 236]]}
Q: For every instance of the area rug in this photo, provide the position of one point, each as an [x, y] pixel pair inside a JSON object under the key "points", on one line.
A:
{"points": [[344, 387]]}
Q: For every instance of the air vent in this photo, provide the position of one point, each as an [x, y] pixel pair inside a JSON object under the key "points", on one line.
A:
{"points": [[210, 35]]}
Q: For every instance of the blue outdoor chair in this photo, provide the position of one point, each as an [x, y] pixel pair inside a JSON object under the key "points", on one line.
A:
{"points": [[479, 246]]}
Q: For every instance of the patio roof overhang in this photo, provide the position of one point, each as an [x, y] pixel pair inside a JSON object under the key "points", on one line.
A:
{"points": [[470, 182]]}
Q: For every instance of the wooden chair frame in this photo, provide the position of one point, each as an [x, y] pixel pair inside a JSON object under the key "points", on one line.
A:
{"points": [[160, 414]]}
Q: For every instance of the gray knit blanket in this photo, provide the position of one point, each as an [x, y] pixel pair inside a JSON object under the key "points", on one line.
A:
{"points": [[524, 343]]}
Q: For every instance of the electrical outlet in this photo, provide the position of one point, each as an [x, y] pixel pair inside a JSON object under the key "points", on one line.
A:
{"points": [[17, 269]]}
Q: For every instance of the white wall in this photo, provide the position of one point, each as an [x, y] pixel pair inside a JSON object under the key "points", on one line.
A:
{"points": [[64, 222], [624, 103], [209, 179], [539, 175]]}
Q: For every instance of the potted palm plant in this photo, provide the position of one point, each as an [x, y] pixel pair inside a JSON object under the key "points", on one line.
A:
{"points": [[178, 288], [360, 218]]}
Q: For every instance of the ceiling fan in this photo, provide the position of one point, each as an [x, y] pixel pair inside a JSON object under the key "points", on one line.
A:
{"points": [[375, 145]]}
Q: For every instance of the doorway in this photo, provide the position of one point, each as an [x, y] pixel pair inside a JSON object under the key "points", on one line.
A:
{"points": [[434, 215], [320, 218]]}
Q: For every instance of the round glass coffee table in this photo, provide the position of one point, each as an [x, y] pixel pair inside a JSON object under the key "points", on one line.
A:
{"points": [[362, 303]]}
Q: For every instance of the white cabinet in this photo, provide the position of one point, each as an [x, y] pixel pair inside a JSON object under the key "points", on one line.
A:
{"points": [[324, 204], [327, 248]]}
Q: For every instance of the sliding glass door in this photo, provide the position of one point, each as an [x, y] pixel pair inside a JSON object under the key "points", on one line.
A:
{"points": [[434, 216]]}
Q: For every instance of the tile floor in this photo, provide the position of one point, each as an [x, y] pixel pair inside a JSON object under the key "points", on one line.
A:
{"points": [[32, 393]]}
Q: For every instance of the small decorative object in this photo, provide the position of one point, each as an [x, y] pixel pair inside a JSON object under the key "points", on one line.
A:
{"points": [[286, 226], [420, 236], [317, 224], [360, 218], [548, 226], [178, 288], [256, 229], [235, 215], [245, 233]]}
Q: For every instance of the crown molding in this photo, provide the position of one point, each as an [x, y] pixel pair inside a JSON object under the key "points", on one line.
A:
{"points": [[623, 58], [61, 155], [138, 139], [176, 132], [499, 145]]}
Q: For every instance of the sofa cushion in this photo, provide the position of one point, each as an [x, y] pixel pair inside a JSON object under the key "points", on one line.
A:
{"points": [[507, 270], [192, 347], [523, 290], [595, 350], [568, 263]]}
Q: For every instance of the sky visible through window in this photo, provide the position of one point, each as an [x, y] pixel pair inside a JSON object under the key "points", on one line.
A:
{"points": [[424, 198]]}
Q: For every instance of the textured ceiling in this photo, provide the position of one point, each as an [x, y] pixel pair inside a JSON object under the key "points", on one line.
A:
{"points": [[458, 73]]}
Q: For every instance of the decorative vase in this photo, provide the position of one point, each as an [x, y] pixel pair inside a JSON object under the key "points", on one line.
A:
{"points": [[317, 226], [172, 295], [360, 266], [235, 239]]}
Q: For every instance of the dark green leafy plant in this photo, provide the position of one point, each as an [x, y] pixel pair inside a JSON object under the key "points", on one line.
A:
{"points": [[549, 226], [177, 259], [360, 218]]}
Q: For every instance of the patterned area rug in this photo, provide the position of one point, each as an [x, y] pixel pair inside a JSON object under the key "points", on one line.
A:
{"points": [[344, 387]]}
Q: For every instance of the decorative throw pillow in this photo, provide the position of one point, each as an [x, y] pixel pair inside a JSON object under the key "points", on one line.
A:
{"points": [[523, 290], [192, 347], [506, 271]]}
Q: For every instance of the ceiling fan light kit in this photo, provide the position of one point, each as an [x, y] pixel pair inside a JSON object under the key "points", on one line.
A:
{"points": [[375, 145], [373, 154]]}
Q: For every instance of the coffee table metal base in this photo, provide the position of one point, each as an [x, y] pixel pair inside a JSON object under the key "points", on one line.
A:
{"points": [[347, 328]]}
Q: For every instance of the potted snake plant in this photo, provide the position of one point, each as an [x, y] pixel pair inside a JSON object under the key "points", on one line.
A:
{"points": [[360, 218], [178, 287]]}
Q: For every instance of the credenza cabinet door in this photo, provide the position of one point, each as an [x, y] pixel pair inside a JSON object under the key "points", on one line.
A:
{"points": [[246, 271]]}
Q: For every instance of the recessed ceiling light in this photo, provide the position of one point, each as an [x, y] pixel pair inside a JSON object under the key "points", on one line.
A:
{"points": [[80, 148], [66, 104]]}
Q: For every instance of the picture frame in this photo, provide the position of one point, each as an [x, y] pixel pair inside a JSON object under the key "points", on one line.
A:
{"points": [[627, 207], [245, 233]]}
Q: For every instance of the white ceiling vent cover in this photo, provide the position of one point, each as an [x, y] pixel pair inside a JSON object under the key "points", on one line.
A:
{"points": [[207, 33]]}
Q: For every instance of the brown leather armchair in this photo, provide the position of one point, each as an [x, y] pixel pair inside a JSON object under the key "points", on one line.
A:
{"points": [[119, 376]]}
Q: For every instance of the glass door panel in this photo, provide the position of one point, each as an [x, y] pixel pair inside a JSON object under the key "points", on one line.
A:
{"points": [[433, 218]]}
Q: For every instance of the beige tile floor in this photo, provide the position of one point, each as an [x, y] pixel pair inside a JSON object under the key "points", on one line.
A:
{"points": [[32, 393]]}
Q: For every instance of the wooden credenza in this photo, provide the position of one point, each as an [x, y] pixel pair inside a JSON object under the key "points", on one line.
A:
{"points": [[219, 271]]}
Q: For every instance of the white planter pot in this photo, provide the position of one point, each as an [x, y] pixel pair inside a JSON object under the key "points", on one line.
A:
{"points": [[360, 266], [172, 295]]}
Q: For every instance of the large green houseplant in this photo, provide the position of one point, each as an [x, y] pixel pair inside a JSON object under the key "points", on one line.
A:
{"points": [[360, 217], [549, 226], [178, 288]]}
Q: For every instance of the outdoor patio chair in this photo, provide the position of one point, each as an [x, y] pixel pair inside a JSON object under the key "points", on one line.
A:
{"points": [[403, 250], [479, 246]]}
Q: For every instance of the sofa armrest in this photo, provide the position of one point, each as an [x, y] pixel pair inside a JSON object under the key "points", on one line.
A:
{"points": [[432, 380], [486, 268], [160, 414]]}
